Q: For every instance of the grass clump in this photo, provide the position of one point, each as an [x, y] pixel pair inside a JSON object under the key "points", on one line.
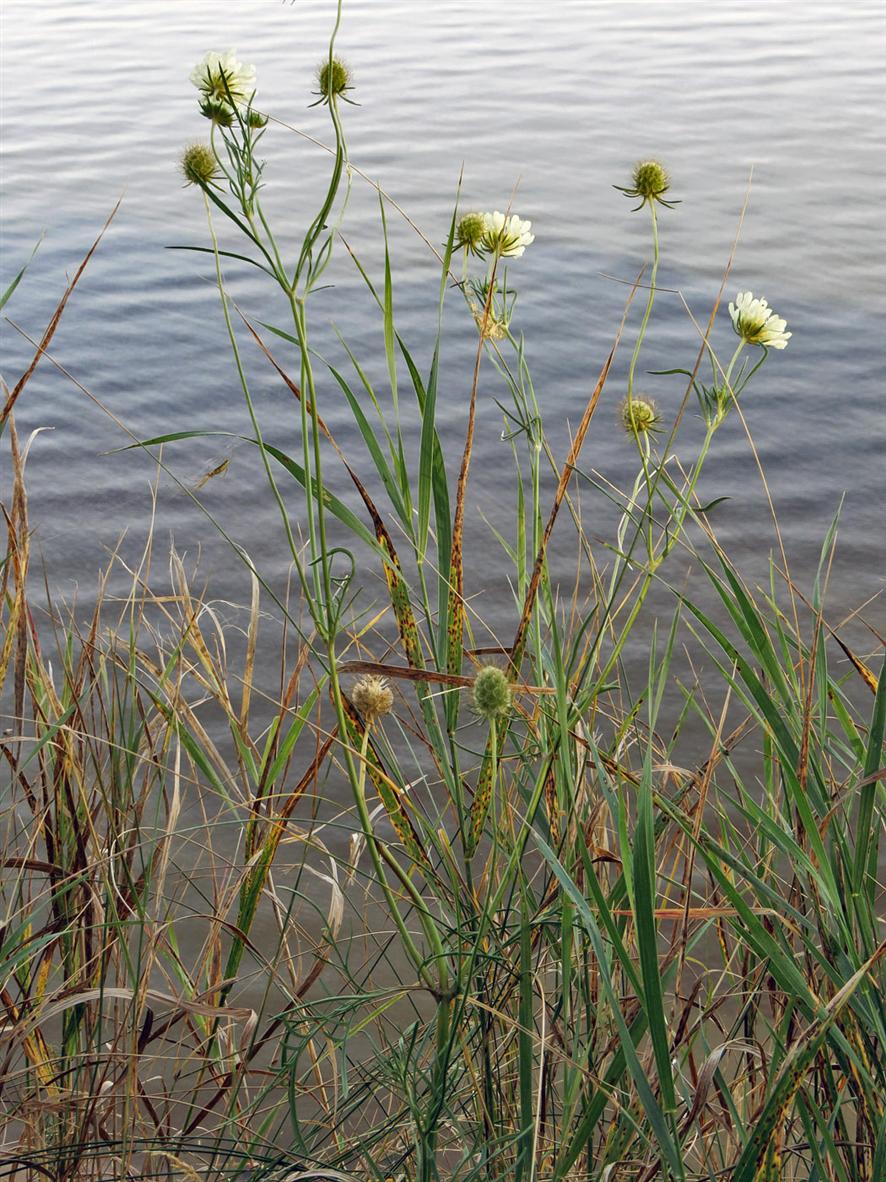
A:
{"points": [[351, 930]]}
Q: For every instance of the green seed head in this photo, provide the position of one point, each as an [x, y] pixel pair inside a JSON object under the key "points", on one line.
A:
{"points": [[469, 232], [372, 697], [639, 416], [492, 693], [198, 165], [218, 111], [650, 180], [333, 78]]}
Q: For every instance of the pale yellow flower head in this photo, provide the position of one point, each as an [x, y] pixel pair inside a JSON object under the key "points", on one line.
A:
{"points": [[220, 75], [756, 323], [506, 236]]}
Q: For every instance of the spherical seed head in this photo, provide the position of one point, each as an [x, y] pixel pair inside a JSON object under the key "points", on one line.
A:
{"points": [[333, 78], [470, 230], [372, 697], [650, 180], [492, 693], [198, 165], [639, 416], [218, 111]]}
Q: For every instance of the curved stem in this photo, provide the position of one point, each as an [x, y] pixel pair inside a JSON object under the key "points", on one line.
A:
{"points": [[656, 254]]}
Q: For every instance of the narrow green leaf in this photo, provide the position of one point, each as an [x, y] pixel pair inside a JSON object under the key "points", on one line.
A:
{"points": [[867, 838], [17, 280], [647, 937]]}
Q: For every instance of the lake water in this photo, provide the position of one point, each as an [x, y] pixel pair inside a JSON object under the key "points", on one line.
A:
{"points": [[559, 99]]}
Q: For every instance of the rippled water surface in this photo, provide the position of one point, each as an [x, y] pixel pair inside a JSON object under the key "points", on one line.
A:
{"points": [[557, 99]]}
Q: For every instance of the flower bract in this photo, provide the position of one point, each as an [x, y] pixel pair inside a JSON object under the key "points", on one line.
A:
{"points": [[220, 112]]}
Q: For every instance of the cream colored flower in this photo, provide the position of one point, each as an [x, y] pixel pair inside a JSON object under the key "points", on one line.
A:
{"points": [[219, 75], [756, 323], [506, 236]]}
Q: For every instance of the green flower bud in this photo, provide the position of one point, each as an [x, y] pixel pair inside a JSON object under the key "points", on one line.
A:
{"points": [[649, 183], [256, 119], [470, 232], [639, 416], [492, 692], [198, 165], [218, 111], [650, 180], [372, 697], [333, 78]]}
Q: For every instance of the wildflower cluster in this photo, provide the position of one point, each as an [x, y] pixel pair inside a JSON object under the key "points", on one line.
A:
{"points": [[226, 89], [492, 236], [449, 826], [496, 234]]}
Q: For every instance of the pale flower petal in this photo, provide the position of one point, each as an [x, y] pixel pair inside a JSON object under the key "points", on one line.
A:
{"points": [[508, 236], [756, 323], [221, 75]]}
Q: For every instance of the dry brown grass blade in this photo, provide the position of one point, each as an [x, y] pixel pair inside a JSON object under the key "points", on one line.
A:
{"points": [[408, 673], [33, 1043], [869, 678], [389, 792], [565, 476], [861, 668], [53, 323], [277, 822], [456, 604], [18, 548]]}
